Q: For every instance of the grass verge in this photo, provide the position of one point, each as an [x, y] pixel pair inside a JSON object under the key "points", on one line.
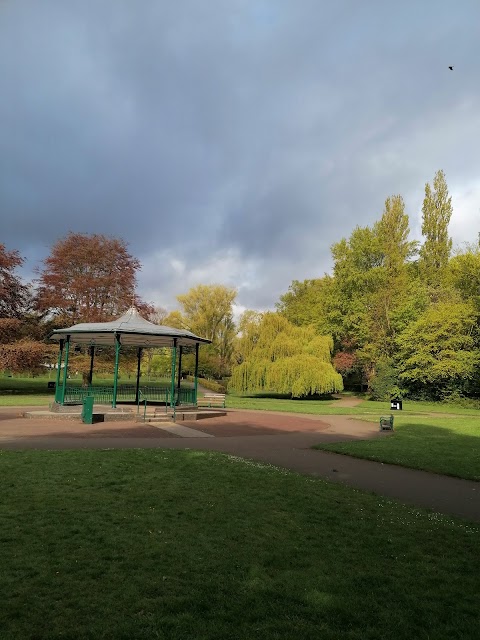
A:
{"points": [[183, 544], [330, 407], [448, 445], [320, 407]]}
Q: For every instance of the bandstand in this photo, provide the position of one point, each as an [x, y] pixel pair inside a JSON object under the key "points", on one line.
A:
{"points": [[130, 330]]}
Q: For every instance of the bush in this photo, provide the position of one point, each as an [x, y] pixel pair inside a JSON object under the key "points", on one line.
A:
{"points": [[209, 384]]}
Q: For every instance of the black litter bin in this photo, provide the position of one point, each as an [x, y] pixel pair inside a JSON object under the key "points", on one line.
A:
{"points": [[395, 404]]}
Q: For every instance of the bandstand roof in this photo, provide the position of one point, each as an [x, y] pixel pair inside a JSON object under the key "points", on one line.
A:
{"points": [[133, 331]]}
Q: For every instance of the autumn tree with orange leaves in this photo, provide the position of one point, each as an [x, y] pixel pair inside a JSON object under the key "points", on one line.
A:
{"points": [[13, 292], [88, 278], [14, 296], [20, 350]]}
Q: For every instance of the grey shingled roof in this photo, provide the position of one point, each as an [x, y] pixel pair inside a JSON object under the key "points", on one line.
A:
{"points": [[133, 330]]}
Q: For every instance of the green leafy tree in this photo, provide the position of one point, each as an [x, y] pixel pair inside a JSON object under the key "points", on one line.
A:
{"points": [[394, 288], [286, 359], [310, 303], [464, 274], [360, 277], [393, 235], [208, 312], [437, 353], [436, 214], [385, 381], [158, 316], [373, 280], [248, 335]]}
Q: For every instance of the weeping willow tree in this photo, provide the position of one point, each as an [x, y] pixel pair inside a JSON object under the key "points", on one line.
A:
{"points": [[283, 358]]}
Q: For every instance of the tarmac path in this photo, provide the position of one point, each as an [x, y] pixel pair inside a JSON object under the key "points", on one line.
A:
{"points": [[280, 439]]}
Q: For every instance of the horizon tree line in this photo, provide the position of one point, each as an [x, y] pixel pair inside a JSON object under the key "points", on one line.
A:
{"points": [[398, 316]]}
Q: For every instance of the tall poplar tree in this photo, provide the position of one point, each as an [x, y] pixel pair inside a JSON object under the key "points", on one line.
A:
{"points": [[436, 214], [392, 233]]}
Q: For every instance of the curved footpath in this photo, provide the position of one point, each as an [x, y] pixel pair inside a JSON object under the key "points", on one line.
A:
{"points": [[290, 449]]}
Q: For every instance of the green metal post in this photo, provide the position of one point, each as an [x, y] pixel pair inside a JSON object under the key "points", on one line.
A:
{"points": [[59, 364], [92, 356], [196, 371], [65, 369], [179, 376], [139, 362], [115, 373], [174, 358]]}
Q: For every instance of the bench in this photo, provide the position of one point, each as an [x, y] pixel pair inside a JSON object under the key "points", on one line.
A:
{"points": [[212, 400], [386, 423]]}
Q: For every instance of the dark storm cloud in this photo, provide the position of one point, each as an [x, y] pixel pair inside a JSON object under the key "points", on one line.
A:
{"points": [[229, 142]]}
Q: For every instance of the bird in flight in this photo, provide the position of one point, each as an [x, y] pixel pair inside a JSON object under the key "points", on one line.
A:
{"points": [[451, 68]]}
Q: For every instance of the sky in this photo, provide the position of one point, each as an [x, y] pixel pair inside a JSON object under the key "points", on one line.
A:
{"points": [[232, 141]]}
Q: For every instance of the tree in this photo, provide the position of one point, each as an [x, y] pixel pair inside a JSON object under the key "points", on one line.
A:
{"points": [[393, 289], [158, 316], [464, 274], [373, 284], [176, 320], [20, 332], [13, 292], [207, 309], [208, 312], [89, 278], [248, 334], [309, 303], [393, 234], [437, 353], [436, 214], [25, 355], [359, 276], [286, 359]]}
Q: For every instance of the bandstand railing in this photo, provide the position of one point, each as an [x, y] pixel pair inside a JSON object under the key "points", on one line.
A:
{"points": [[127, 393]]}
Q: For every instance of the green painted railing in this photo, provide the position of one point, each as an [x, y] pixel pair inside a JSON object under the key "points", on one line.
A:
{"points": [[141, 398], [126, 393], [185, 395], [156, 394], [102, 395]]}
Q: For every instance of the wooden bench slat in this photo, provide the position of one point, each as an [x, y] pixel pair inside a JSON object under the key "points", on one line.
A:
{"points": [[212, 398]]}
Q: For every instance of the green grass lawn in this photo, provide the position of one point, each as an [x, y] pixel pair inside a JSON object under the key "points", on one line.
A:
{"points": [[148, 544], [262, 403], [448, 445], [330, 407]]}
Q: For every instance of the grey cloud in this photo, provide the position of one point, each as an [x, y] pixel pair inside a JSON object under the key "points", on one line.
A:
{"points": [[266, 128]]}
